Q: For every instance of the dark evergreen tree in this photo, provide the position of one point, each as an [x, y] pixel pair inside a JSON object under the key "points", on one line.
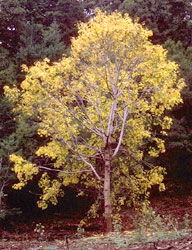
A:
{"points": [[105, 5], [29, 17], [50, 46], [30, 31], [171, 24], [167, 19], [179, 140], [8, 68]]}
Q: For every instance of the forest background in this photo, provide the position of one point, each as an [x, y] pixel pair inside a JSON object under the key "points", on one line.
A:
{"points": [[31, 31]]}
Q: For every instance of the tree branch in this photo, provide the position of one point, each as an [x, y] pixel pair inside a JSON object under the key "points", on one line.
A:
{"points": [[79, 154], [62, 171], [122, 132]]}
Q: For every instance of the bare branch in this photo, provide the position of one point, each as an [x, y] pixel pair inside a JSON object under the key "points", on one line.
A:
{"points": [[62, 171], [137, 62], [82, 157], [101, 121], [122, 132], [110, 75], [91, 166], [111, 118], [94, 128]]}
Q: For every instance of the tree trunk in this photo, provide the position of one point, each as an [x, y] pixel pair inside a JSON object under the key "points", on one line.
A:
{"points": [[107, 196]]}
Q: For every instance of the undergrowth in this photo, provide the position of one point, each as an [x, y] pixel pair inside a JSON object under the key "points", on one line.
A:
{"points": [[149, 227]]}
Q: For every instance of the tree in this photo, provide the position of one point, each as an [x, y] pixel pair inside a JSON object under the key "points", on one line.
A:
{"points": [[98, 108], [27, 18], [166, 18], [178, 141], [51, 45], [170, 22], [8, 68], [104, 5], [30, 31], [15, 136]]}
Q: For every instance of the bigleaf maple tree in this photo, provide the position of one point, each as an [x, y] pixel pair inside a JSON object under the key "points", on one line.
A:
{"points": [[99, 108]]}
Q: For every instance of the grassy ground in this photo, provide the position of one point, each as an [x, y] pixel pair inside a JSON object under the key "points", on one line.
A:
{"points": [[168, 225], [100, 242]]}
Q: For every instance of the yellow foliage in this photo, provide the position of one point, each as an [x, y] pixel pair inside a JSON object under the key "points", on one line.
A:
{"points": [[51, 190], [114, 82], [24, 170]]}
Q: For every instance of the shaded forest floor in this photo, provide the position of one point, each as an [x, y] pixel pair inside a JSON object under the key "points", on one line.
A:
{"points": [[113, 242], [169, 227]]}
